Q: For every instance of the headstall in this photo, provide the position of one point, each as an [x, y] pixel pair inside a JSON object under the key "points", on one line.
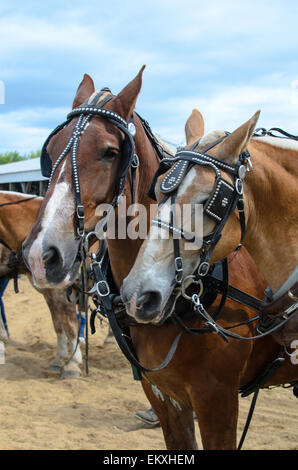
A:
{"points": [[85, 113], [225, 197]]}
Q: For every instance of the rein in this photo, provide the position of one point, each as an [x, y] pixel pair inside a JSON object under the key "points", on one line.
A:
{"points": [[18, 201]]}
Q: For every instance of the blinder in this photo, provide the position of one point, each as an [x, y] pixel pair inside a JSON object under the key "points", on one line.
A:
{"points": [[220, 199], [172, 180], [45, 161]]}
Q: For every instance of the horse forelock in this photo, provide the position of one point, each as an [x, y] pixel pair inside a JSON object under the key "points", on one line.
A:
{"points": [[208, 139]]}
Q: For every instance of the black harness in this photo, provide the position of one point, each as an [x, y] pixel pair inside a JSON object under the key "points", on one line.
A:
{"points": [[223, 200]]}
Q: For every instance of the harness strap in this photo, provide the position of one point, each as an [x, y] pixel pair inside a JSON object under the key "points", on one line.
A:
{"points": [[261, 132], [255, 387], [18, 201], [105, 299]]}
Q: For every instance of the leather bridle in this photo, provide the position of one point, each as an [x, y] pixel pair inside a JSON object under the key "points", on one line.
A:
{"points": [[222, 202], [127, 162]]}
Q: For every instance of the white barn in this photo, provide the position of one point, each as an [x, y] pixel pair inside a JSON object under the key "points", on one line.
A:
{"points": [[23, 176]]}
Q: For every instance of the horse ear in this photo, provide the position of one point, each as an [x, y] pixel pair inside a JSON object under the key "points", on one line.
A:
{"points": [[85, 89], [237, 141], [126, 100], [194, 127]]}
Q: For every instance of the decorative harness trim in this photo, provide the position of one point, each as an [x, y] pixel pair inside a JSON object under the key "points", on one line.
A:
{"points": [[222, 202]]}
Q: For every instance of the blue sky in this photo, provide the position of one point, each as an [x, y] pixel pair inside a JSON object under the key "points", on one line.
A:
{"points": [[223, 57]]}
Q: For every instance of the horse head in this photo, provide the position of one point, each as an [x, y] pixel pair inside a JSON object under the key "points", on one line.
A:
{"points": [[150, 289], [85, 155]]}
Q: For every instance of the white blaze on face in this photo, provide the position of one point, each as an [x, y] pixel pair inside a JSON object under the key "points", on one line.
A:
{"points": [[159, 245], [55, 223], [154, 269]]}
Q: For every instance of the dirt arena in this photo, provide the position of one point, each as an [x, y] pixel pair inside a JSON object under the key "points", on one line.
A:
{"points": [[41, 411]]}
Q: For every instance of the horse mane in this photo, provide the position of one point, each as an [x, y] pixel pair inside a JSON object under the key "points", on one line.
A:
{"points": [[284, 152], [164, 146]]}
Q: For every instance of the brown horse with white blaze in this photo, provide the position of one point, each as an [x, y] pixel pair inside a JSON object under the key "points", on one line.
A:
{"points": [[18, 213], [209, 385]]}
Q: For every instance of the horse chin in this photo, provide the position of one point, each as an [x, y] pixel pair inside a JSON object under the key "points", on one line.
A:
{"points": [[167, 310], [70, 276]]}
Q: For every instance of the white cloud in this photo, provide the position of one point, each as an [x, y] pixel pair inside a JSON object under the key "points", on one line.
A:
{"points": [[18, 33], [229, 108], [213, 42], [16, 132]]}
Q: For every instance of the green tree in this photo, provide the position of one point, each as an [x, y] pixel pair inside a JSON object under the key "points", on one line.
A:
{"points": [[10, 157]]}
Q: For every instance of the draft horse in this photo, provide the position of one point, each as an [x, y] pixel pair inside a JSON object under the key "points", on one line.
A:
{"points": [[266, 221], [18, 213], [205, 373]]}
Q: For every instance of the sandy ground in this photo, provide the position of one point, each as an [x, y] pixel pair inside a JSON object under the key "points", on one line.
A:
{"points": [[38, 410]]}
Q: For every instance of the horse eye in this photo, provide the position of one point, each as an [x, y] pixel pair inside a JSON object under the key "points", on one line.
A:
{"points": [[109, 154]]}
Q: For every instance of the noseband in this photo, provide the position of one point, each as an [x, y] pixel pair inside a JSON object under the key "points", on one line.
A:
{"points": [[225, 197]]}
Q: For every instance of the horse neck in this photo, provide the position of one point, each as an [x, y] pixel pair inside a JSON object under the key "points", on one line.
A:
{"points": [[17, 220], [271, 198], [123, 252]]}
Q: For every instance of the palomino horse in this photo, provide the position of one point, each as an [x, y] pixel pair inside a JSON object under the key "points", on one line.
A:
{"points": [[268, 230], [205, 373], [18, 213]]}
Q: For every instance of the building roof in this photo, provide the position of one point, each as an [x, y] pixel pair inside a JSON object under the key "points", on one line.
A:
{"points": [[22, 171]]}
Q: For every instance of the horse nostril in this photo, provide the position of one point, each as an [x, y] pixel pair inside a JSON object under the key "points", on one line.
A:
{"points": [[143, 299], [149, 301], [50, 254]]}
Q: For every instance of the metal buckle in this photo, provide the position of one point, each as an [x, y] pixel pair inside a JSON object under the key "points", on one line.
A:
{"points": [[239, 186], [135, 163], [290, 310], [80, 212], [203, 269], [86, 245], [196, 301], [179, 264], [249, 166], [81, 231], [241, 172], [292, 296], [213, 326], [100, 292]]}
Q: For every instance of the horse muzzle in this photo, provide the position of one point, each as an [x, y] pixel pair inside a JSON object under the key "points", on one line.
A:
{"points": [[52, 265]]}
